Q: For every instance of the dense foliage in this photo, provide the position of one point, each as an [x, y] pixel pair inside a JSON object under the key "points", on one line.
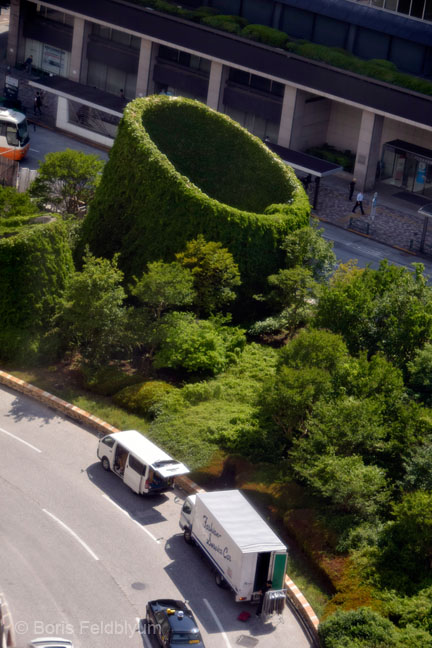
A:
{"points": [[194, 171], [34, 266], [66, 181]]}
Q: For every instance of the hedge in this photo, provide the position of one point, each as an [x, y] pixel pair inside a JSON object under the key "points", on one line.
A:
{"points": [[178, 169], [335, 56], [264, 34], [34, 265]]}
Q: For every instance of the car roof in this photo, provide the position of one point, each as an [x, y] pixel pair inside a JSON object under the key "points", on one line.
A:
{"points": [[186, 623]]}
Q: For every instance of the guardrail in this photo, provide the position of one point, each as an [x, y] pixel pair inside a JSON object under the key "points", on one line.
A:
{"points": [[294, 595]]}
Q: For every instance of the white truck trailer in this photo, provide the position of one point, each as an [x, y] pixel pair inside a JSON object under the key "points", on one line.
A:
{"points": [[242, 548]]}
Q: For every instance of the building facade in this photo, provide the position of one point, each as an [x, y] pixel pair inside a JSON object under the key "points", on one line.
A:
{"points": [[91, 53]]}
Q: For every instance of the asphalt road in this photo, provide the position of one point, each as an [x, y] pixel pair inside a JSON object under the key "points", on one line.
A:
{"points": [[43, 141], [82, 554], [348, 245]]}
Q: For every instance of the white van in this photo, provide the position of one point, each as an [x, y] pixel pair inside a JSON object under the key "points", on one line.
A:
{"points": [[142, 466]]}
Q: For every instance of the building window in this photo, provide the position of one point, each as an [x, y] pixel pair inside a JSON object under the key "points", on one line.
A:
{"points": [[111, 79], [184, 59], [48, 58], [56, 16], [262, 84], [116, 36]]}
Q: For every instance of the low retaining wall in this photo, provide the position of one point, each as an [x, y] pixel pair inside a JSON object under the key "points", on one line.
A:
{"points": [[101, 428]]}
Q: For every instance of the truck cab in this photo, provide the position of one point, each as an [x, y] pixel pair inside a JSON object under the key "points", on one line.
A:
{"points": [[187, 516]]}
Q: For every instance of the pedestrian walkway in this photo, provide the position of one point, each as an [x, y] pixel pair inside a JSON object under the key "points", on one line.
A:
{"points": [[396, 222]]}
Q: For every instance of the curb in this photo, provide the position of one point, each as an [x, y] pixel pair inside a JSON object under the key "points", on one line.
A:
{"points": [[369, 236], [101, 428], [7, 633]]}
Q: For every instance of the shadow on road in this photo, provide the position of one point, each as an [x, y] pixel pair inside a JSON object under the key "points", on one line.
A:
{"points": [[188, 559], [142, 509]]}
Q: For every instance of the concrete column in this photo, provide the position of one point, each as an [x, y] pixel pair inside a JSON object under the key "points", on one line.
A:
{"points": [[277, 12], [145, 66], [215, 85], [368, 150], [77, 49], [287, 116], [352, 32], [13, 36]]}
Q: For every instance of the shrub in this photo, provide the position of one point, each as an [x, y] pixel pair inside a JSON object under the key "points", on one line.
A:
{"points": [[232, 24], [142, 397], [107, 380], [361, 628], [329, 153], [34, 266], [195, 171], [196, 345], [264, 34]]}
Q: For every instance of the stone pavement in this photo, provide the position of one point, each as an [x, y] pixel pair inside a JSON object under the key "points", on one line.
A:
{"points": [[397, 222]]}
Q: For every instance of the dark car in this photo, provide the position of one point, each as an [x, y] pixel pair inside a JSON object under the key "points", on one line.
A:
{"points": [[173, 624]]}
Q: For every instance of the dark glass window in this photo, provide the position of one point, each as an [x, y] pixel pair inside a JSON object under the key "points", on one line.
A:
{"points": [[109, 441], [239, 76], [258, 12], [260, 83], [404, 6], [277, 88], [330, 32], [168, 53], [417, 8], [297, 23], [136, 465]]}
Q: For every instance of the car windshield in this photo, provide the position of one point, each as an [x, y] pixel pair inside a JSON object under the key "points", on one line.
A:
{"points": [[185, 637]]}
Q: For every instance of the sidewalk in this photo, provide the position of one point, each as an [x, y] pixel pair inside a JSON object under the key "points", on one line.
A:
{"points": [[397, 222]]}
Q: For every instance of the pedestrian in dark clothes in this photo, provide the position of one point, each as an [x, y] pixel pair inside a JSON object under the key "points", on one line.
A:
{"points": [[37, 104], [359, 203], [352, 185], [263, 591], [28, 64], [306, 181]]}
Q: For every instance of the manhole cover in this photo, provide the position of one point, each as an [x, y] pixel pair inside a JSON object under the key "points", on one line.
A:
{"points": [[246, 640]]}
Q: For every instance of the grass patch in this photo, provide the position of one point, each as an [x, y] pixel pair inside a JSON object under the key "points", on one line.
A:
{"points": [[59, 385]]}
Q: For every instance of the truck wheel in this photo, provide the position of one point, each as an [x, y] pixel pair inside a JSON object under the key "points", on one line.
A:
{"points": [[220, 580], [187, 536], [105, 463]]}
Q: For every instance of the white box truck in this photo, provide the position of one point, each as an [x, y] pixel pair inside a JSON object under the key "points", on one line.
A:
{"points": [[240, 545]]}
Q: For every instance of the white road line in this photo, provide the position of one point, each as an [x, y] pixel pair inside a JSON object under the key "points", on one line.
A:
{"points": [[218, 623], [132, 520], [69, 530], [35, 150], [21, 440]]}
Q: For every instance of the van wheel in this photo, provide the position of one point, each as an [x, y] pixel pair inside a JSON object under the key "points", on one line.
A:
{"points": [[105, 464], [187, 536], [220, 580]]}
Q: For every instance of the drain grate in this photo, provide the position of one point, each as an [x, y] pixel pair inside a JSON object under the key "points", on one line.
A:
{"points": [[247, 641]]}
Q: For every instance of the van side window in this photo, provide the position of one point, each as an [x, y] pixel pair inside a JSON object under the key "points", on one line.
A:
{"points": [[109, 441], [136, 465]]}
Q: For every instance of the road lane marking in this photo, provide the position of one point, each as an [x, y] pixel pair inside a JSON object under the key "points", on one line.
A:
{"points": [[218, 623], [21, 440], [35, 150], [73, 534], [131, 518]]}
